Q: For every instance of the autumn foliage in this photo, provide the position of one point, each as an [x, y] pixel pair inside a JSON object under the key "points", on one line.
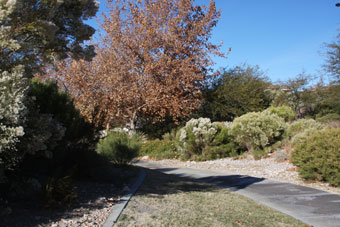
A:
{"points": [[152, 61]]}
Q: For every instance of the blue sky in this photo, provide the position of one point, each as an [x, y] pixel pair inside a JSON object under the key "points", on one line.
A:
{"points": [[283, 37]]}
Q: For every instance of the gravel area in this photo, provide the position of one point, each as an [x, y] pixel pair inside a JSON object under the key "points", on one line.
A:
{"points": [[264, 168], [93, 206]]}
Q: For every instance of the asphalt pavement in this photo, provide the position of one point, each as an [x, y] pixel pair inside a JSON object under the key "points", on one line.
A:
{"points": [[312, 206]]}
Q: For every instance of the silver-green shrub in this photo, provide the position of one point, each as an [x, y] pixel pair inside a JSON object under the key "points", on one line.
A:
{"points": [[195, 136], [301, 125], [257, 130]]}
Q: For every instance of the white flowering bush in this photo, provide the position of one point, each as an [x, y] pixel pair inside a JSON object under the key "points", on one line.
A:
{"points": [[257, 130], [196, 136], [13, 88]]}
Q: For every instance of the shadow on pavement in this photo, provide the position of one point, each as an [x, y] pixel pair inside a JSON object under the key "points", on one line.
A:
{"points": [[231, 182], [166, 181]]}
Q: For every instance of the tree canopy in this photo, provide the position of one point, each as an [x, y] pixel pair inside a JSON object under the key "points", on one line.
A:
{"points": [[33, 31], [152, 61], [237, 91], [332, 64]]}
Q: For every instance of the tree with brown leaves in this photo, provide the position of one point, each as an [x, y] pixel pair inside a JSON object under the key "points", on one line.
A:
{"points": [[152, 61]]}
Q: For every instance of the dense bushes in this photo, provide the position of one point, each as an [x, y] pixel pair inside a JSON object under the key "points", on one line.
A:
{"points": [[54, 138], [257, 131], [160, 149], [120, 148], [318, 157], [55, 131], [50, 100]]}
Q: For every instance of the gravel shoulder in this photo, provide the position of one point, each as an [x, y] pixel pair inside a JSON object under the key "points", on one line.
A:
{"points": [[264, 168]]}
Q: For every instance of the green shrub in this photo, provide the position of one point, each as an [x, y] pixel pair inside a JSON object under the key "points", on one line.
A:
{"points": [[172, 135], [285, 112], [301, 125], [120, 148], [302, 136], [223, 144], [318, 157], [257, 131], [332, 117], [160, 149], [223, 136]]}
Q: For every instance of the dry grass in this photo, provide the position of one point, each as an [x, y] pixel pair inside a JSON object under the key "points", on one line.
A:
{"points": [[167, 200]]}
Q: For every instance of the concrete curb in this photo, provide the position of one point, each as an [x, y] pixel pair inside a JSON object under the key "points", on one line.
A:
{"points": [[119, 207]]}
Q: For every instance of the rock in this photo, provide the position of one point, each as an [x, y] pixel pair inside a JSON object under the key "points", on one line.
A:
{"points": [[145, 157], [292, 169]]}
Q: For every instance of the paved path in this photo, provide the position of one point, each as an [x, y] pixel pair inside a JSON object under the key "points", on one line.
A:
{"points": [[312, 206]]}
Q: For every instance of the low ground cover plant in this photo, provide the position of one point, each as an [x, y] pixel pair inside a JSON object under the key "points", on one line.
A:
{"points": [[318, 157]]}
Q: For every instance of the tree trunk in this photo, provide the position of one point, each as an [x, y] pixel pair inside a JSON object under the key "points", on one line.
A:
{"points": [[132, 124]]}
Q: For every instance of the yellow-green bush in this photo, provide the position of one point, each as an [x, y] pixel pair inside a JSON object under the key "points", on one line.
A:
{"points": [[160, 149], [285, 112], [318, 157], [301, 125]]}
